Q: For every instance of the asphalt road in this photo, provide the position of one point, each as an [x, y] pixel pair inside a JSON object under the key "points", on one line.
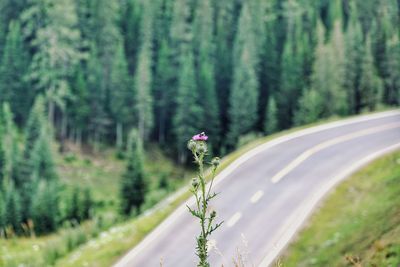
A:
{"points": [[266, 195]]}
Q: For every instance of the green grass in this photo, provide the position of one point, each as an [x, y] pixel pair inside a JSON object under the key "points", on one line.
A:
{"points": [[360, 218]]}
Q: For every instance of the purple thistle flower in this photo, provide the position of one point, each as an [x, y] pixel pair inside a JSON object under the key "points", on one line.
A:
{"points": [[200, 137]]}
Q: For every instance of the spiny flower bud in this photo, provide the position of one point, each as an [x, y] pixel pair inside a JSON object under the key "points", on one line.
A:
{"points": [[195, 182], [215, 162], [201, 147], [191, 145], [213, 214]]}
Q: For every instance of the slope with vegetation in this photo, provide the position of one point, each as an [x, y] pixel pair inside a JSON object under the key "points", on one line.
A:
{"points": [[359, 222]]}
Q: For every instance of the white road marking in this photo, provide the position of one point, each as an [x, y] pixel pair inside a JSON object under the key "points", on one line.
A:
{"points": [[293, 224], [256, 197], [234, 219], [308, 153], [130, 255]]}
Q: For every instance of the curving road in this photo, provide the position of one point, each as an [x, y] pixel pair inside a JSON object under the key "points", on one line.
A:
{"points": [[268, 193]]}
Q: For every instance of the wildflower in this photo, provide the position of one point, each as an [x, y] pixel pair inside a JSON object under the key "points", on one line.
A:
{"points": [[215, 162], [200, 137]]}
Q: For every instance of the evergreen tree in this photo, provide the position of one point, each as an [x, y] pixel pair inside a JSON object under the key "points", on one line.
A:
{"points": [[163, 92], [204, 44], [188, 115], [392, 65], [79, 105], [10, 142], [291, 79], [271, 120], [52, 27], [327, 77], [310, 108], [2, 157], [2, 214], [143, 75], [121, 95], [244, 94], [42, 158], [12, 208], [73, 213], [86, 205], [370, 83], [45, 209], [13, 67], [133, 183], [353, 56]]}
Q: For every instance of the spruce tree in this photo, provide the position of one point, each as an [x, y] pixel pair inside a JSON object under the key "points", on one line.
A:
{"points": [[86, 205], [204, 45], [54, 38], [353, 57], [271, 119], [392, 65], [244, 94], [133, 183], [370, 84], [12, 205], [188, 114], [143, 75], [121, 95], [10, 142], [2, 157], [2, 214], [291, 80], [45, 207], [13, 67], [310, 107], [328, 72]]}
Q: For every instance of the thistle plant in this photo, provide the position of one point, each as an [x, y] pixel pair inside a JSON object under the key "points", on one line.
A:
{"points": [[203, 195]]}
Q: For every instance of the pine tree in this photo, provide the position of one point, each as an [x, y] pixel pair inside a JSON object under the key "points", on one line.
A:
{"points": [[327, 77], [310, 107], [13, 67], [271, 120], [86, 205], [121, 95], [163, 92], [392, 65], [2, 157], [143, 75], [353, 57], [2, 214], [244, 95], [188, 114], [291, 79], [10, 142], [73, 212], [12, 208], [79, 105], [133, 183], [204, 44], [42, 158], [54, 38], [370, 83], [45, 209]]}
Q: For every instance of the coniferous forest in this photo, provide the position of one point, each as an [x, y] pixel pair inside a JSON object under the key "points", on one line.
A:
{"points": [[87, 72]]}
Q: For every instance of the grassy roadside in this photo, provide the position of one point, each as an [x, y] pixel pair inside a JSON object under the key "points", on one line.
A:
{"points": [[360, 218]]}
